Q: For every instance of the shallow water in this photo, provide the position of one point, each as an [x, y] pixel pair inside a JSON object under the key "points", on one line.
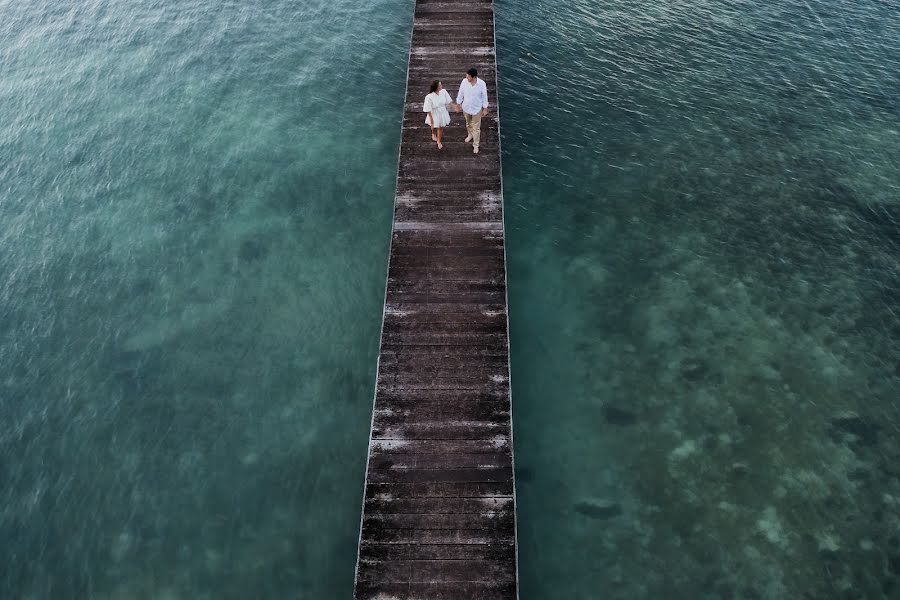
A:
{"points": [[703, 211], [194, 224]]}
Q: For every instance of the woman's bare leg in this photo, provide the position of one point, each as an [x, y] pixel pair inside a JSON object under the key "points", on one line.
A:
{"points": [[440, 132], [433, 136]]}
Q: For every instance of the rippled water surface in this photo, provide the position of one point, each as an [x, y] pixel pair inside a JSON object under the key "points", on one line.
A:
{"points": [[703, 212], [195, 200]]}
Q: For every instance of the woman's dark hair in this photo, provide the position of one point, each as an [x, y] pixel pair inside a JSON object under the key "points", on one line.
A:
{"points": [[473, 72], [434, 85]]}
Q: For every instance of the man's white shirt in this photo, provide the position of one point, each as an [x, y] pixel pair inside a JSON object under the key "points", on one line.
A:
{"points": [[472, 98]]}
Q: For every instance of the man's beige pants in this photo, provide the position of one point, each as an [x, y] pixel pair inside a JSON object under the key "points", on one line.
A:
{"points": [[473, 126]]}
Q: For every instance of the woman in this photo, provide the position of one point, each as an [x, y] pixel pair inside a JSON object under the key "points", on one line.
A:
{"points": [[435, 105]]}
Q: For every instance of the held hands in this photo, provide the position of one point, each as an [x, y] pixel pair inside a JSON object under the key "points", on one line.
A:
{"points": [[458, 108]]}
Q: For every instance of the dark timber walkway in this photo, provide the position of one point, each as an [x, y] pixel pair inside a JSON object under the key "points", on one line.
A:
{"points": [[439, 512]]}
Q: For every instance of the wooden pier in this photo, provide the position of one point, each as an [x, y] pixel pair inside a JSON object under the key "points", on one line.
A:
{"points": [[438, 517]]}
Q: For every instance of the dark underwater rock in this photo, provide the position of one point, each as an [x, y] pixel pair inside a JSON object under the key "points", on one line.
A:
{"points": [[694, 369], [894, 564], [865, 431], [618, 416], [598, 509], [253, 250]]}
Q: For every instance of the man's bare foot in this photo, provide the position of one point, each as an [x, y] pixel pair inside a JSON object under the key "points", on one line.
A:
{"points": [[475, 151], [468, 139]]}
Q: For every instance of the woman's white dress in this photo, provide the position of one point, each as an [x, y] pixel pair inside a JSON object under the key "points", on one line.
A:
{"points": [[437, 103]]}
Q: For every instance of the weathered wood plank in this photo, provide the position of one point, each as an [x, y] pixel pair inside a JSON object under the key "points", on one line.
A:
{"points": [[465, 315], [489, 446], [454, 397], [446, 298], [482, 374], [445, 274], [461, 288], [472, 537], [441, 363], [379, 461], [414, 327], [433, 411], [468, 590], [461, 430], [485, 520], [441, 307], [432, 489], [439, 508], [406, 571], [406, 214], [440, 381], [448, 243], [494, 551], [399, 382]]}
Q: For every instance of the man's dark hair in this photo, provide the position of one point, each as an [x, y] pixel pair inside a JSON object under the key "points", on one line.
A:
{"points": [[473, 72], [434, 85]]}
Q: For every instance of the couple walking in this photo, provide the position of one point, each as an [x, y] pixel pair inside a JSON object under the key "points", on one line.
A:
{"points": [[471, 99]]}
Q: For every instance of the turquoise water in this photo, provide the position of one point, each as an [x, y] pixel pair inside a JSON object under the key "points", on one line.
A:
{"points": [[703, 211], [194, 225]]}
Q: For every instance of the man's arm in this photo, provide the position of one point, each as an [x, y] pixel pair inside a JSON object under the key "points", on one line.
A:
{"points": [[484, 100]]}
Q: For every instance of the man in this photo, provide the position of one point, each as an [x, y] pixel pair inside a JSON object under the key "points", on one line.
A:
{"points": [[472, 97]]}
